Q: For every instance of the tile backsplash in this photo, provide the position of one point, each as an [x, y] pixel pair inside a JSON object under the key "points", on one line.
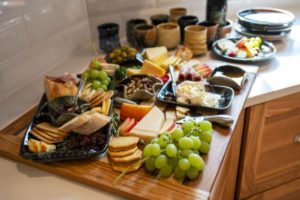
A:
{"points": [[37, 36]]}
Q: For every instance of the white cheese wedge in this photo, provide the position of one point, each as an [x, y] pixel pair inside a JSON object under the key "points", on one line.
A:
{"points": [[152, 121], [156, 54]]}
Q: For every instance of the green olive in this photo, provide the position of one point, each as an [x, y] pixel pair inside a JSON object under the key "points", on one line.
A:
{"points": [[131, 55], [119, 59], [117, 52], [124, 54], [124, 48], [111, 55], [114, 61]]}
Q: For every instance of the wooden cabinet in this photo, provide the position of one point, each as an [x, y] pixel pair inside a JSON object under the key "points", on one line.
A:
{"points": [[271, 149]]}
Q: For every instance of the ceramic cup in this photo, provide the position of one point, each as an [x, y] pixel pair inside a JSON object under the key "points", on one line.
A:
{"points": [[195, 38], [185, 21], [130, 29], [212, 29], [223, 31], [108, 36], [168, 35], [145, 35], [175, 13], [159, 18]]}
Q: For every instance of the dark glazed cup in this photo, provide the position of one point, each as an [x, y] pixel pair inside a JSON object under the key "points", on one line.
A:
{"points": [[130, 25], [159, 19], [184, 21], [108, 36], [145, 35], [212, 29]]}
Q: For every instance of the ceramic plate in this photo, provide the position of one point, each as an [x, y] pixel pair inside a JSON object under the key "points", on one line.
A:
{"points": [[267, 52]]}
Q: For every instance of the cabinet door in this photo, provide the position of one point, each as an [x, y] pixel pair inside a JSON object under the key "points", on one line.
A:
{"points": [[271, 150]]}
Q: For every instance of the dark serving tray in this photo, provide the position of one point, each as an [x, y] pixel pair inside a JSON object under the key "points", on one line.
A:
{"points": [[226, 97], [62, 151]]}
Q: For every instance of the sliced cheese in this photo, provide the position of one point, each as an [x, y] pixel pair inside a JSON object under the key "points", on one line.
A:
{"points": [[170, 114], [152, 121], [173, 60], [132, 71], [156, 54], [144, 135], [151, 68]]}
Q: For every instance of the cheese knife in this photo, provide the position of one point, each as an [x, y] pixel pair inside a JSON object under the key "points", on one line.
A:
{"points": [[223, 120], [172, 73]]}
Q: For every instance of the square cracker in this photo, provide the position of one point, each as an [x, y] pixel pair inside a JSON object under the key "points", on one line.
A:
{"points": [[121, 143], [137, 155], [122, 153]]}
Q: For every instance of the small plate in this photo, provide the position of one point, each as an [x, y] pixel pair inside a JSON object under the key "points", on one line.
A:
{"points": [[225, 94], [228, 75], [267, 52], [266, 36]]}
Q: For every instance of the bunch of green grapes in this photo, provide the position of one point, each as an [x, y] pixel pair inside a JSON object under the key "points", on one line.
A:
{"points": [[97, 77], [179, 152], [121, 54]]}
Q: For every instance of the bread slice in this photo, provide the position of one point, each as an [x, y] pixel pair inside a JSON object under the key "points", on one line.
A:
{"points": [[74, 123], [122, 153], [121, 143], [95, 122], [137, 155], [120, 167]]}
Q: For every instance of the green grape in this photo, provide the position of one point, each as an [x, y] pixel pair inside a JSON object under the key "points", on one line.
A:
{"points": [[184, 164], [104, 87], [177, 134], [206, 136], [185, 143], [155, 140], [161, 161], [147, 151], [155, 149], [166, 170], [102, 75], [186, 152], [204, 147], [95, 64], [96, 84], [171, 150], [163, 140], [196, 142], [105, 82], [205, 125], [94, 73], [192, 173], [173, 162], [150, 164], [196, 161], [86, 75], [179, 173], [187, 127]]}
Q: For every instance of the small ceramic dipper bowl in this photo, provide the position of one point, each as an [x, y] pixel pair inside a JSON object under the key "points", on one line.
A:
{"points": [[195, 38], [168, 35], [185, 21], [212, 29], [175, 13], [145, 35]]}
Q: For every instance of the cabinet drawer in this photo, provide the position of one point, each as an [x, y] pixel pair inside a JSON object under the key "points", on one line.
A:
{"points": [[288, 191], [271, 153]]}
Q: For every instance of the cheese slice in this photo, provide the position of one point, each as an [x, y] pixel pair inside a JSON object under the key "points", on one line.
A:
{"points": [[132, 71], [156, 54], [144, 135], [151, 68], [170, 114], [152, 121], [173, 60]]}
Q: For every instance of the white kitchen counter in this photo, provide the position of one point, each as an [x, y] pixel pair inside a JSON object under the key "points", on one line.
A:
{"points": [[276, 78]]}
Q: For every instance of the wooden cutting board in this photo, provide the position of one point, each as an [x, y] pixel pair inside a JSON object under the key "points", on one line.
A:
{"points": [[140, 185]]}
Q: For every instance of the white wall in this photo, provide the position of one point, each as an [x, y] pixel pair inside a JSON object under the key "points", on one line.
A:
{"points": [[35, 36]]}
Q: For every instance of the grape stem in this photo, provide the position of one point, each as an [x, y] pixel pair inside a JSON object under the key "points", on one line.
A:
{"points": [[127, 169]]}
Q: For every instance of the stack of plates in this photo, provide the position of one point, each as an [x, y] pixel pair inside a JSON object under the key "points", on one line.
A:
{"points": [[268, 23]]}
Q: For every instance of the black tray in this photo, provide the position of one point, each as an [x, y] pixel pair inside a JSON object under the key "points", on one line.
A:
{"points": [[62, 152], [226, 97]]}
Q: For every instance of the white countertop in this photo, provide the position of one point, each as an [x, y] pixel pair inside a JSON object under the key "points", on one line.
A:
{"points": [[278, 77]]}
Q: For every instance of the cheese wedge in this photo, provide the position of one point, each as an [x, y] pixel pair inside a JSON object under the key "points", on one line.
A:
{"points": [[152, 69], [156, 54], [173, 60], [132, 71], [150, 125]]}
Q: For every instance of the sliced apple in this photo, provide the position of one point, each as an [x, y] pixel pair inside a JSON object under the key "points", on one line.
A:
{"points": [[168, 125], [126, 126]]}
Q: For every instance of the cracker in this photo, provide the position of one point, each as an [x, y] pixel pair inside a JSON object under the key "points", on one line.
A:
{"points": [[137, 155], [45, 126], [121, 143], [48, 134], [122, 153], [42, 138], [120, 167]]}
